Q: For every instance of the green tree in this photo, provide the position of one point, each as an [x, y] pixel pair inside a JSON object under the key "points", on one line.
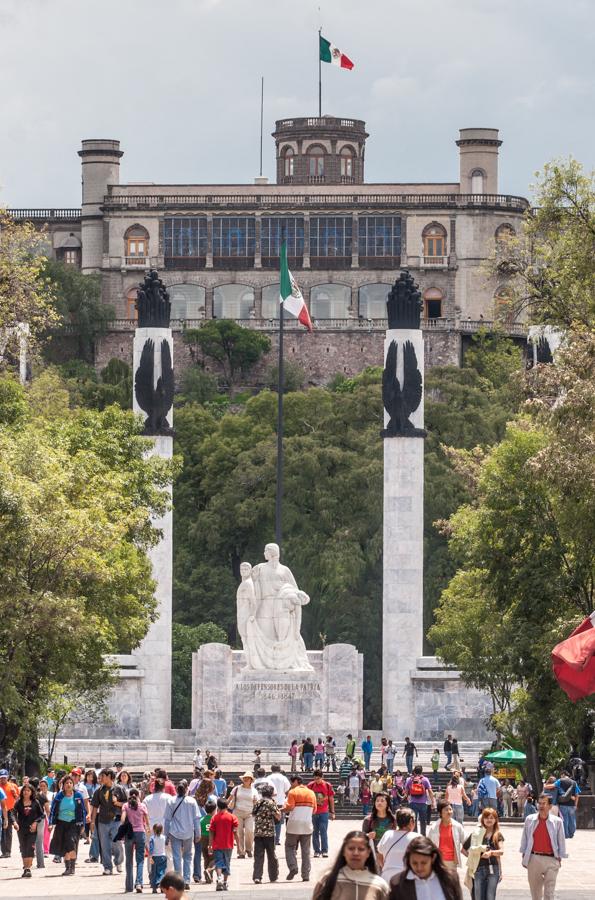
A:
{"points": [[186, 639], [294, 377], [79, 303], [234, 348], [76, 499], [86, 388], [197, 386]]}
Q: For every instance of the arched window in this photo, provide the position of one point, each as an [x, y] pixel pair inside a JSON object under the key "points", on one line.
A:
{"points": [[288, 157], [270, 301], [69, 250], [187, 301], [504, 233], [434, 241], [372, 300], [131, 310], [477, 181], [346, 162], [433, 303], [316, 161], [330, 301], [233, 301], [136, 245]]}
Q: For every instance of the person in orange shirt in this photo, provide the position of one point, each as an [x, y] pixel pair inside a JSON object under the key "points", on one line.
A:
{"points": [[301, 806], [12, 795], [448, 835]]}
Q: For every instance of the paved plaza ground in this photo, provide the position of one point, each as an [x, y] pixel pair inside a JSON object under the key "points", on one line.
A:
{"points": [[576, 880]]}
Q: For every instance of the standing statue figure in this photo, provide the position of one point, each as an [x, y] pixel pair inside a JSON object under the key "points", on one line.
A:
{"points": [[269, 605]]}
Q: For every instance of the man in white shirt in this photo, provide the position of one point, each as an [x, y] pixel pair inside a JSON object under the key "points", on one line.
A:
{"points": [[543, 847], [393, 844], [280, 785], [156, 804]]}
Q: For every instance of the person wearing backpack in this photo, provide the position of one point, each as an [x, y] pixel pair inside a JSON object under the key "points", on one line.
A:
{"points": [[568, 794], [487, 790], [420, 795]]}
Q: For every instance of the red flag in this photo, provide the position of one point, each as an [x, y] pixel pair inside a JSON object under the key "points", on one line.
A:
{"points": [[573, 661]]}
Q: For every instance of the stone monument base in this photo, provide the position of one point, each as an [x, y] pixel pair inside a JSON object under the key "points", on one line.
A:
{"points": [[236, 706]]}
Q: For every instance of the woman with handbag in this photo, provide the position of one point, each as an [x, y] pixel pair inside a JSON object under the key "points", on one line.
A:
{"points": [[135, 819], [67, 816]]}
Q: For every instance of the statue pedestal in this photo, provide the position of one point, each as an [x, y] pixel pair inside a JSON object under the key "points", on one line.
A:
{"points": [[238, 706]]}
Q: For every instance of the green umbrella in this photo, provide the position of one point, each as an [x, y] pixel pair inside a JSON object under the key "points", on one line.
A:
{"points": [[507, 756]]}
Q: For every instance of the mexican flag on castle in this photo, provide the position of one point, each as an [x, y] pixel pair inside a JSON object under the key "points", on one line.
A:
{"points": [[290, 294], [331, 54]]}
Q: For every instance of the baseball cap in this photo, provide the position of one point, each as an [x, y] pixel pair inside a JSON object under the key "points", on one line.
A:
{"points": [[3, 773]]}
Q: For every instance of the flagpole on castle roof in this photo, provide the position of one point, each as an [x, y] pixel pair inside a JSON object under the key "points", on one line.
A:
{"points": [[319, 76], [280, 386]]}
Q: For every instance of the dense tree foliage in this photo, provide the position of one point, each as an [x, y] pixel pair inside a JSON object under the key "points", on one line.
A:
{"points": [[78, 302], [76, 498], [186, 639], [235, 349]]}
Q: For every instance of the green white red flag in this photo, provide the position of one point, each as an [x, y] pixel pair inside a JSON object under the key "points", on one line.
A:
{"points": [[331, 54], [290, 294]]}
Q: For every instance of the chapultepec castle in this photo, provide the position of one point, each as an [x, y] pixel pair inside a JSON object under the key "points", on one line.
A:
{"points": [[216, 247]]}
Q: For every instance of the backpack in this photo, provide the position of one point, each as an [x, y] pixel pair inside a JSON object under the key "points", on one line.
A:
{"points": [[565, 799], [416, 789], [482, 790]]}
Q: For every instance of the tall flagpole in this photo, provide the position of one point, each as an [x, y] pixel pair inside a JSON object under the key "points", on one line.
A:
{"points": [[319, 76], [261, 119], [280, 386]]}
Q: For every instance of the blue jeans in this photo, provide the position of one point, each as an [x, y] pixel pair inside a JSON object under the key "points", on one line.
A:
{"points": [[421, 815], [319, 760], [222, 859], [308, 760], [278, 826], [485, 883], [409, 763], [367, 760], [197, 858], [568, 814], [320, 832], [448, 758], [390, 761], [158, 870], [181, 852], [458, 813], [109, 847], [94, 849], [135, 846]]}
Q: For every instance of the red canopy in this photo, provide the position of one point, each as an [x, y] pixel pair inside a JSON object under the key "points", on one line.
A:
{"points": [[574, 661]]}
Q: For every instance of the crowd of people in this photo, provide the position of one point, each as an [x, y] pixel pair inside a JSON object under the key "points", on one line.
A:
{"points": [[165, 836]]}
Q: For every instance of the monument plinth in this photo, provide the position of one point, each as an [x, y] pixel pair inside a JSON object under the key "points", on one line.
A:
{"points": [[274, 690]]}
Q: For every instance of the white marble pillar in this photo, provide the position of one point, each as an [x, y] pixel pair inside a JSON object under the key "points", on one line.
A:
{"points": [[402, 616], [154, 653]]}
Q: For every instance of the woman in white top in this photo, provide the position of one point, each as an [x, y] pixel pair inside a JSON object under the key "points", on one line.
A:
{"points": [[393, 844], [241, 803]]}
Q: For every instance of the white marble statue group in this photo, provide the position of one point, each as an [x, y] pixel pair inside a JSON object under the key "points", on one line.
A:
{"points": [[269, 608]]}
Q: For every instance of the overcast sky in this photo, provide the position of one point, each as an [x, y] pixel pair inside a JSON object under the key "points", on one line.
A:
{"points": [[178, 82]]}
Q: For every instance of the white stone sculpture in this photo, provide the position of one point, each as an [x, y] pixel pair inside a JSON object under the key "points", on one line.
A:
{"points": [[269, 608]]}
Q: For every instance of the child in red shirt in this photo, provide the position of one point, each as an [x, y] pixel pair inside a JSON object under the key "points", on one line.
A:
{"points": [[222, 832]]}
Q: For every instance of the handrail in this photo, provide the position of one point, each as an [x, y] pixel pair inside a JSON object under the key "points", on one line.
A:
{"points": [[74, 213]]}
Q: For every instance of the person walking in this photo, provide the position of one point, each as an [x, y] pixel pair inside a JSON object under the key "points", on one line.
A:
{"points": [[507, 795], [12, 795], [330, 752], [390, 852], [456, 796], [408, 752], [522, 792], [301, 806], [266, 815], [425, 876], [483, 849], [543, 847], [182, 829], [325, 808], [40, 833], [447, 747], [319, 754], [208, 863], [488, 790], [293, 752], [134, 813], [106, 807], [448, 835], [67, 816], [241, 803], [308, 751], [568, 794], [223, 832], [367, 748], [350, 747], [456, 759], [420, 795], [380, 820], [389, 756], [157, 856], [281, 785], [27, 816], [354, 874]]}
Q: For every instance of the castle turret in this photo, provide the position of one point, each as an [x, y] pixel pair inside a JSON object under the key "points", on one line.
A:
{"points": [[100, 161], [324, 150], [478, 155]]}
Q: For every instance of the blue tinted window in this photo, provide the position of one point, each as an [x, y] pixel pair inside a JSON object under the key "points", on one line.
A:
{"points": [[271, 235], [233, 236], [379, 236], [330, 235], [185, 236]]}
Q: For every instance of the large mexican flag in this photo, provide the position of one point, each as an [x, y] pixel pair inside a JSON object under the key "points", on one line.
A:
{"points": [[331, 54], [290, 294]]}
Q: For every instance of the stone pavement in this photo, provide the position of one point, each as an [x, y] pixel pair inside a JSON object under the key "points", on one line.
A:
{"points": [[575, 882]]}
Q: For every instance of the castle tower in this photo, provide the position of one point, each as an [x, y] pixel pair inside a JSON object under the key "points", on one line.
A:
{"points": [[100, 161], [324, 150], [403, 538], [478, 159]]}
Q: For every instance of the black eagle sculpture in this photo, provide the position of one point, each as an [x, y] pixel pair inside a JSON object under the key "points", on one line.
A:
{"points": [[401, 400], [155, 399]]}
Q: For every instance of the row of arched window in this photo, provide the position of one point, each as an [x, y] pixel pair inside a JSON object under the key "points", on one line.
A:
{"points": [[316, 155], [326, 301]]}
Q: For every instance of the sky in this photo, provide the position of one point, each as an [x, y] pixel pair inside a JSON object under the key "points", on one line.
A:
{"points": [[178, 83]]}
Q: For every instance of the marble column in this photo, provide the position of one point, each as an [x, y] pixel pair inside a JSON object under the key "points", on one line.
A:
{"points": [[402, 621]]}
